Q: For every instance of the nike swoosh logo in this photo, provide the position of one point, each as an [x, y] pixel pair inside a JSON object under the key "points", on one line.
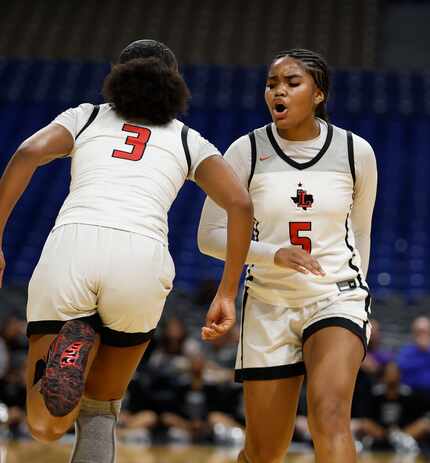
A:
{"points": [[263, 157]]}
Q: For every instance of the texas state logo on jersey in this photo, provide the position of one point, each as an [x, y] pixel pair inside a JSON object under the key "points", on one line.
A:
{"points": [[306, 205], [303, 199]]}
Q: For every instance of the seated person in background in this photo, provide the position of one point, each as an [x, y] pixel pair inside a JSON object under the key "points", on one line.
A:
{"points": [[414, 359], [221, 356], [13, 332], [394, 407], [196, 414], [13, 396], [376, 358], [168, 364], [138, 421], [4, 358], [370, 371]]}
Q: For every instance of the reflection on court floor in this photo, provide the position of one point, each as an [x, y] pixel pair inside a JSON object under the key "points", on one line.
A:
{"points": [[32, 452]]}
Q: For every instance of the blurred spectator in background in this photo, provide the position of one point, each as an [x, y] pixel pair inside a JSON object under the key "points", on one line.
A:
{"points": [[13, 395], [169, 364], [414, 359], [178, 395], [14, 334], [370, 371], [395, 416], [189, 419], [13, 344], [4, 357], [202, 413], [221, 355], [376, 358], [137, 420]]}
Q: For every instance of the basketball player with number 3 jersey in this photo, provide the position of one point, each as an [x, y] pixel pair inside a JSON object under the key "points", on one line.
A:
{"points": [[98, 290], [306, 302]]}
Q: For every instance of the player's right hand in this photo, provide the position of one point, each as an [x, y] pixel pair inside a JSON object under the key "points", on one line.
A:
{"points": [[220, 318], [297, 259], [2, 267]]}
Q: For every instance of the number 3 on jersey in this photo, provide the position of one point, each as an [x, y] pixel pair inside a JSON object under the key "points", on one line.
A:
{"points": [[138, 143], [303, 241]]}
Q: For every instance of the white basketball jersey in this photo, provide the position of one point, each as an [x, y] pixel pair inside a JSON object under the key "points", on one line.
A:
{"points": [[306, 205], [126, 175]]}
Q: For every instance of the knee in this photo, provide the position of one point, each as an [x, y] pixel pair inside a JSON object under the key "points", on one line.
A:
{"points": [[44, 432], [266, 453], [329, 415], [45, 429]]}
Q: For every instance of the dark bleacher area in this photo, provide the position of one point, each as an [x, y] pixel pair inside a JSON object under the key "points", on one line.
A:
{"points": [[244, 32]]}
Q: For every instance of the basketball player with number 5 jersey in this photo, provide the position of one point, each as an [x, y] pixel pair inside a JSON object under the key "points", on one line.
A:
{"points": [[98, 290], [306, 302]]}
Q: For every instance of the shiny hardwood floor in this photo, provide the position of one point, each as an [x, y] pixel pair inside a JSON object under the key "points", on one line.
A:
{"points": [[32, 452]]}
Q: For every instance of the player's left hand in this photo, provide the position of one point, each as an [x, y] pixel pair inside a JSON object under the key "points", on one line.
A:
{"points": [[220, 318]]}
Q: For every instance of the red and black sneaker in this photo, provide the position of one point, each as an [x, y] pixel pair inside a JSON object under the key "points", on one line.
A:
{"points": [[63, 383]]}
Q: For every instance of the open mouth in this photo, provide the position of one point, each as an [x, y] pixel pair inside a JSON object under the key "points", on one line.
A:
{"points": [[280, 109]]}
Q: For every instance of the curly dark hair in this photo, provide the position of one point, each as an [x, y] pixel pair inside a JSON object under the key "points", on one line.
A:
{"points": [[145, 49], [146, 89], [317, 67]]}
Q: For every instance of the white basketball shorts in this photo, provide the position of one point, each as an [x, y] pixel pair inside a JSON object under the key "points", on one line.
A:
{"points": [[117, 280], [272, 337]]}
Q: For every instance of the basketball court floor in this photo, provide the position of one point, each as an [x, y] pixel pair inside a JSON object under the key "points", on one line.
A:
{"points": [[32, 452]]}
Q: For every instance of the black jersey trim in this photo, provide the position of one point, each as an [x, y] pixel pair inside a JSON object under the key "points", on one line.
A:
{"points": [[90, 120], [350, 144], [269, 373], [366, 322], [253, 156], [351, 265], [242, 323], [291, 162], [184, 136], [255, 237]]}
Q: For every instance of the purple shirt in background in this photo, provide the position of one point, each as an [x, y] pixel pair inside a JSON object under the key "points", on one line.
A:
{"points": [[414, 365]]}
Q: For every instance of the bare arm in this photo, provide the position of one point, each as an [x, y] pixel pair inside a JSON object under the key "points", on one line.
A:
{"points": [[47, 144], [220, 183]]}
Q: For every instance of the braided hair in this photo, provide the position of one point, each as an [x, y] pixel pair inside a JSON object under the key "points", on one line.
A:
{"points": [[317, 67]]}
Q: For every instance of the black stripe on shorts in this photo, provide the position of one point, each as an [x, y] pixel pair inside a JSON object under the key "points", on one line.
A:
{"points": [[336, 321], [108, 336], [268, 373], [54, 326]]}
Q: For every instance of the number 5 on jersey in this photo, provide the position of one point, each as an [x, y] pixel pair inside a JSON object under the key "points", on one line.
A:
{"points": [[138, 143], [303, 241]]}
